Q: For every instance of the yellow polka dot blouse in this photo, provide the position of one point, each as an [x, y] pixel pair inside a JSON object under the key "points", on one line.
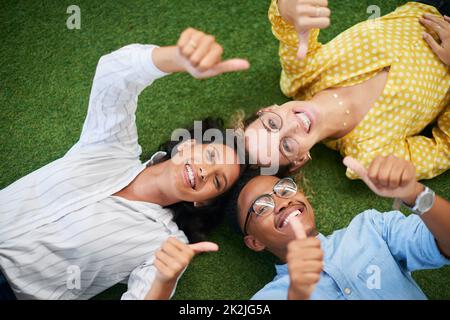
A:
{"points": [[416, 92]]}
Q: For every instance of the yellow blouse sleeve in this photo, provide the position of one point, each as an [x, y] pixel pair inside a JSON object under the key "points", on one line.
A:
{"points": [[296, 73], [430, 155]]}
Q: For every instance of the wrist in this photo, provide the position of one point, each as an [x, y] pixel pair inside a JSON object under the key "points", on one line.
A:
{"points": [[167, 59], [165, 282], [283, 10], [411, 199], [160, 290], [297, 294]]}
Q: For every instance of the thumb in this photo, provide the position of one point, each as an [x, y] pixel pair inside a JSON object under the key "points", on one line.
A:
{"points": [[356, 167], [303, 39], [298, 228], [204, 247], [360, 170], [231, 65]]}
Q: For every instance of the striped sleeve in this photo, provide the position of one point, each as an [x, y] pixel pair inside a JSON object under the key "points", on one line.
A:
{"points": [[140, 282], [141, 278], [119, 79]]}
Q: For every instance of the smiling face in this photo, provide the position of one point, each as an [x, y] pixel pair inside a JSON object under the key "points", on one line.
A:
{"points": [[283, 133], [201, 172], [272, 231]]}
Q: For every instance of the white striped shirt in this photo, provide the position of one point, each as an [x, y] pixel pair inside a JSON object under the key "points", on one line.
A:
{"points": [[62, 221]]}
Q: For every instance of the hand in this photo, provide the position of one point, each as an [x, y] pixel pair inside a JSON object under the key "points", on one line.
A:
{"points": [[201, 56], [305, 15], [174, 256], [442, 27], [389, 177], [305, 263]]}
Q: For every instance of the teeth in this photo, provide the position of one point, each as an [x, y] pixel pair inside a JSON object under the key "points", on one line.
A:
{"points": [[305, 120], [190, 175], [293, 214]]}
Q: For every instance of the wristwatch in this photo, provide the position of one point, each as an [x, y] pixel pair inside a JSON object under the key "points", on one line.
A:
{"points": [[424, 202]]}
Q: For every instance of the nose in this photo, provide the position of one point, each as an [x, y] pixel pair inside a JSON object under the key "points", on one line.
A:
{"points": [[295, 129], [206, 170], [203, 173], [281, 204]]}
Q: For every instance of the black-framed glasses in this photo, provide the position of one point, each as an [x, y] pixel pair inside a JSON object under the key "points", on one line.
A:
{"points": [[289, 147], [265, 204]]}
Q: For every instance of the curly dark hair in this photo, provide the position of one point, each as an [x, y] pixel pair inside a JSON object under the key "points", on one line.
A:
{"points": [[197, 222]]}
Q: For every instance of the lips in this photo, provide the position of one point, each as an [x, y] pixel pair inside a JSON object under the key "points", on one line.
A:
{"points": [[289, 213], [305, 121], [189, 175]]}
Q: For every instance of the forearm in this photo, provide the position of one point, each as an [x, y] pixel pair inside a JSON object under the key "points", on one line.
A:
{"points": [[160, 290], [119, 79], [437, 220], [167, 59]]}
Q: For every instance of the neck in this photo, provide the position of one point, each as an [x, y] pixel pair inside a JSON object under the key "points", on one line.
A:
{"points": [[357, 99], [339, 111], [150, 186]]}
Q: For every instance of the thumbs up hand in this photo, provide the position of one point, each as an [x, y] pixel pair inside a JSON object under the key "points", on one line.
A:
{"points": [[174, 256], [389, 177], [305, 263], [305, 15]]}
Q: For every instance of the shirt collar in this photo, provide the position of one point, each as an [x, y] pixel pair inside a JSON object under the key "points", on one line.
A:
{"points": [[155, 158]]}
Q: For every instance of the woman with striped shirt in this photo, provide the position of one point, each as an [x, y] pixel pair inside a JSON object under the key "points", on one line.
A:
{"points": [[98, 215]]}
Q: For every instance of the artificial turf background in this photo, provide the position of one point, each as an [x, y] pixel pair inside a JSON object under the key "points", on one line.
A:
{"points": [[45, 78]]}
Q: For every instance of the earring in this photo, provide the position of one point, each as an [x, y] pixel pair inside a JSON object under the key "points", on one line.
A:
{"points": [[308, 156]]}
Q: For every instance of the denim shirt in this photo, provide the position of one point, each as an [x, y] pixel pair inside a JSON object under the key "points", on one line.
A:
{"points": [[370, 259]]}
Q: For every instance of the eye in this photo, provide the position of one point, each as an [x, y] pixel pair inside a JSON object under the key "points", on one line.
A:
{"points": [[262, 210], [284, 192], [286, 147], [217, 183], [272, 124]]}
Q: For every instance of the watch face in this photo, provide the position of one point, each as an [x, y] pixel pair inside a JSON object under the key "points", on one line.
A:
{"points": [[426, 202]]}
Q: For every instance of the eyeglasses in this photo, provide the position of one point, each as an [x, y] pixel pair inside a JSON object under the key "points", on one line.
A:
{"points": [[265, 204], [289, 147]]}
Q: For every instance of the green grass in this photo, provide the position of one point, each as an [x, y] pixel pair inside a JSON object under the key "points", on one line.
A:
{"points": [[45, 79]]}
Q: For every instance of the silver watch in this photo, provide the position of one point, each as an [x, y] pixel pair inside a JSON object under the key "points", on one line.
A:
{"points": [[424, 202]]}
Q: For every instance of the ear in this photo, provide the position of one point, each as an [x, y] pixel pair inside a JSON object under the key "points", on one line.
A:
{"points": [[199, 204], [253, 243], [186, 144], [295, 166]]}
